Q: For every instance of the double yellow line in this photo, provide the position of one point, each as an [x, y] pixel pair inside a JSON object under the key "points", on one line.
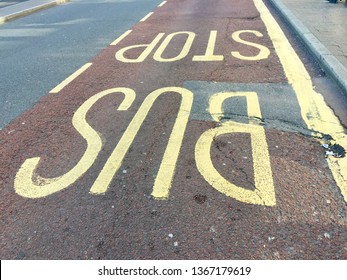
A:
{"points": [[314, 111]]}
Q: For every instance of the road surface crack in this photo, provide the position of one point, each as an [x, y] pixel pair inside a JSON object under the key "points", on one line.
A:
{"points": [[234, 163]]}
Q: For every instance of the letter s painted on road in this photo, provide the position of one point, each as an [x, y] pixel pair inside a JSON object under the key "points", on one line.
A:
{"points": [[41, 187]]}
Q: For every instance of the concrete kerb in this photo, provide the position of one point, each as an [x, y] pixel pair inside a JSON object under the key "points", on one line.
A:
{"points": [[25, 8], [331, 65]]}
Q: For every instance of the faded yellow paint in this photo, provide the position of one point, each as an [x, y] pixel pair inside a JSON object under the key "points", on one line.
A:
{"points": [[185, 49], [264, 52], [314, 111], [209, 54], [148, 48], [31, 185], [69, 79], [264, 193], [120, 38], [165, 174]]}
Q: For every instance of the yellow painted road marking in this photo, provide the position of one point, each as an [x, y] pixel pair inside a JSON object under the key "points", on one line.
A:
{"points": [[166, 171], [264, 193], [264, 52], [69, 79], [185, 49], [209, 54], [146, 17], [28, 185], [120, 38], [316, 114], [162, 4], [147, 50], [253, 107]]}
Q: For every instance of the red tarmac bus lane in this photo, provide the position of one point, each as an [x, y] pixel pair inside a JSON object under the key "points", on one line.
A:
{"points": [[145, 168]]}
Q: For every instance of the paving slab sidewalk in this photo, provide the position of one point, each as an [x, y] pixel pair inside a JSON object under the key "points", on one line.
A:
{"points": [[323, 28]]}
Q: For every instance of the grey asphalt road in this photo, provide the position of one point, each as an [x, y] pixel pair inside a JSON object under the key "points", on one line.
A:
{"points": [[6, 3], [40, 50]]}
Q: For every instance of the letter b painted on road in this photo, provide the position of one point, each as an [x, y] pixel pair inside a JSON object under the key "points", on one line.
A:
{"points": [[264, 193]]}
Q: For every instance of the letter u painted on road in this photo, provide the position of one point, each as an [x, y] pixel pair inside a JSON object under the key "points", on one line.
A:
{"points": [[166, 171], [264, 193]]}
